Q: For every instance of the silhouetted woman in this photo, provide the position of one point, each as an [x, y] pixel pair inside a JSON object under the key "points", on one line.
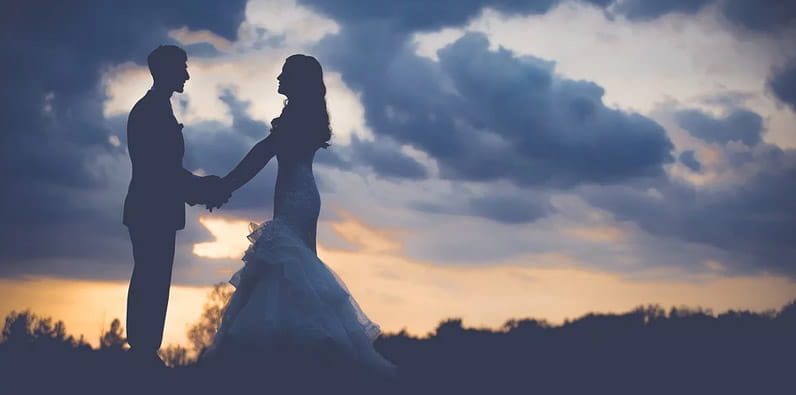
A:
{"points": [[287, 300]]}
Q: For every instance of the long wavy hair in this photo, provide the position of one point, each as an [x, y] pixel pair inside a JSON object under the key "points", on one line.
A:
{"points": [[304, 119]]}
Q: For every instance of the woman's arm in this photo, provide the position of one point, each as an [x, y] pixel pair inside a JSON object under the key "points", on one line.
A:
{"points": [[252, 163]]}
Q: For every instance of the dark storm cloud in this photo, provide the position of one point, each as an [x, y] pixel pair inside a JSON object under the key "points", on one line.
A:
{"points": [[486, 115], [421, 15], [386, 159], [783, 84], [53, 113], [241, 122], [559, 130], [644, 10], [760, 15], [753, 221], [482, 115], [509, 209], [739, 125], [332, 157], [750, 220], [757, 15], [61, 198], [382, 156], [503, 208], [688, 158]]}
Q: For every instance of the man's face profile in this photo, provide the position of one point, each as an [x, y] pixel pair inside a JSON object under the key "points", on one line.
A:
{"points": [[169, 67], [179, 74]]}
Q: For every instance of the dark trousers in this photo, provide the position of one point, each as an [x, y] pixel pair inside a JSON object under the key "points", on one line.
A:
{"points": [[148, 295]]}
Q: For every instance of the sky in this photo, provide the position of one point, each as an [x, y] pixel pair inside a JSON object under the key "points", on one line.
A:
{"points": [[490, 159]]}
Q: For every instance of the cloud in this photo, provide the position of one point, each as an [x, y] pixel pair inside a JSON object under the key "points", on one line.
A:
{"points": [[645, 10], [458, 111], [783, 84], [287, 21], [386, 159], [229, 238], [688, 158], [241, 121], [478, 140], [487, 115], [419, 15], [739, 125], [63, 162], [511, 209], [760, 15], [392, 288], [750, 219], [190, 37]]}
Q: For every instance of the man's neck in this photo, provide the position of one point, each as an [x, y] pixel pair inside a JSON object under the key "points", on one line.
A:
{"points": [[161, 91]]}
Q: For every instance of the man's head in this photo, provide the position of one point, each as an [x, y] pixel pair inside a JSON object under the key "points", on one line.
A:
{"points": [[169, 68]]}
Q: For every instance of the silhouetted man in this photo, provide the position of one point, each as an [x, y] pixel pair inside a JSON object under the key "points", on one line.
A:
{"points": [[155, 205]]}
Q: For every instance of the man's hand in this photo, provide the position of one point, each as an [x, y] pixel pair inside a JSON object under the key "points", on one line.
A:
{"points": [[217, 193]]}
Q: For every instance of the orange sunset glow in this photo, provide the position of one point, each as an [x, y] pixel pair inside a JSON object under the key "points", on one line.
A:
{"points": [[399, 293], [539, 196]]}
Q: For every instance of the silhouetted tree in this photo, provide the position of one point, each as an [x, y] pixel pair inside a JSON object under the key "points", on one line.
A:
{"points": [[24, 329], [647, 350], [201, 333], [450, 327], [114, 338], [175, 355]]}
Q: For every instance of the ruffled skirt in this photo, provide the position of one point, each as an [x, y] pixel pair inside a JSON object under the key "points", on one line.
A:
{"points": [[286, 296]]}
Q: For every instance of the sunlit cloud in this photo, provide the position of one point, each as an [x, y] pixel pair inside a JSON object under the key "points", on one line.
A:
{"points": [[367, 239], [598, 234], [230, 238], [124, 85], [251, 78], [399, 292], [715, 266], [698, 59], [411, 269], [187, 36], [286, 19]]}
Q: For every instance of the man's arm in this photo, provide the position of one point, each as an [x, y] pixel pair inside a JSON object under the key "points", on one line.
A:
{"points": [[152, 146], [192, 186], [197, 189]]}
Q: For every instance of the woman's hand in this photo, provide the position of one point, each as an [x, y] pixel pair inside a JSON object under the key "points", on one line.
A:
{"points": [[220, 194]]}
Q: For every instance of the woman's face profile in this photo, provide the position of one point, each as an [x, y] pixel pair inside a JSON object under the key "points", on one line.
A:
{"points": [[286, 80]]}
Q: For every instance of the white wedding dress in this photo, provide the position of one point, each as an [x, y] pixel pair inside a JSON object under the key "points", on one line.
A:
{"points": [[285, 295]]}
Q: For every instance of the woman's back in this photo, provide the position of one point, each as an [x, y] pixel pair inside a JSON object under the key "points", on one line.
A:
{"points": [[297, 202]]}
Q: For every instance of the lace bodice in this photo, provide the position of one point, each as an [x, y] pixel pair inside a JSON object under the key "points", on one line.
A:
{"points": [[297, 202]]}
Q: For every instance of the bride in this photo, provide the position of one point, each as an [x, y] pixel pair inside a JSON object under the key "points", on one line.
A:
{"points": [[286, 299]]}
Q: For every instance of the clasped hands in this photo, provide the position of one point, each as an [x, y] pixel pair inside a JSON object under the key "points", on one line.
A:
{"points": [[213, 192]]}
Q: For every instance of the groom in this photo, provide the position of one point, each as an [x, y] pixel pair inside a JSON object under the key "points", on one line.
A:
{"points": [[154, 208]]}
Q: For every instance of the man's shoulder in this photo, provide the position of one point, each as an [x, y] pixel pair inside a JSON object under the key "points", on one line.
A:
{"points": [[148, 107]]}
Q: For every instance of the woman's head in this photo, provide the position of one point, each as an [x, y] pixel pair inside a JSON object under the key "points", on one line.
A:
{"points": [[301, 78], [305, 112]]}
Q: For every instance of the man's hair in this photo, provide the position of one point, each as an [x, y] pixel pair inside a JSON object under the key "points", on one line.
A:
{"points": [[165, 57]]}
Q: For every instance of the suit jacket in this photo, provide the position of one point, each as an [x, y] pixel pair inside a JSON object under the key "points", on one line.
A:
{"points": [[160, 186]]}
